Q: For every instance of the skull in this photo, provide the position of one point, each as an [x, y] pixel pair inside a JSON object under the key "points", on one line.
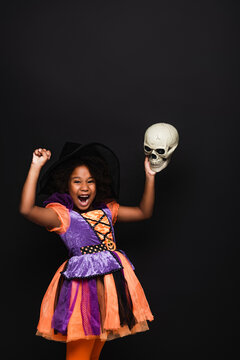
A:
{"points": [[160, 141]]}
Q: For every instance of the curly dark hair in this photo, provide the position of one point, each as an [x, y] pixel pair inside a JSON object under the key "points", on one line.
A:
{"points": [[98, 168]]}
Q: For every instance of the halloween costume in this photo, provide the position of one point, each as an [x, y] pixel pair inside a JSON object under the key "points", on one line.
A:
{"points": [[95, 294]]}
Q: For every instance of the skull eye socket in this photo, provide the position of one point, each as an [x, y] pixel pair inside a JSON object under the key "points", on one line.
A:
{"points": [[160, 151], [147, 148]]}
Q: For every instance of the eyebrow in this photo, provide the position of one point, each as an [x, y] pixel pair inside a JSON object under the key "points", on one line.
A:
{"points": [[78, 177]]}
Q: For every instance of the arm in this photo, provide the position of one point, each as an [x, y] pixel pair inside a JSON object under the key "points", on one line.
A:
{"points": [[41, 216], [145, 208]]}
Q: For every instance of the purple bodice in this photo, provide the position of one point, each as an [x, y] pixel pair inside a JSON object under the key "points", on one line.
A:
{"points": [[80, 234]]}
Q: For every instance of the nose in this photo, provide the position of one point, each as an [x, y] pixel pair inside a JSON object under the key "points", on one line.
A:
{"points": [[84, 186], [153, 156]]}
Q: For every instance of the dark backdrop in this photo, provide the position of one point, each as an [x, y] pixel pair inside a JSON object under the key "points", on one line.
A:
{"points": [[104, 71]]}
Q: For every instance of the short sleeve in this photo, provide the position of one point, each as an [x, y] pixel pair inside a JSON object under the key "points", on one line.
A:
{"points": [[63, 215], [113, 207]]}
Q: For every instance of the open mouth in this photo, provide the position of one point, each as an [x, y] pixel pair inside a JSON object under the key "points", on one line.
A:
{"points": [[84, 199]]}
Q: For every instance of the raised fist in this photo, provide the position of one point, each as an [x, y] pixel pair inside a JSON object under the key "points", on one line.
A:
{"points": [[41, 156]]}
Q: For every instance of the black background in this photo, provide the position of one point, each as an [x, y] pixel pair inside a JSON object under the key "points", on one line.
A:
{"points": [[104, 71]]}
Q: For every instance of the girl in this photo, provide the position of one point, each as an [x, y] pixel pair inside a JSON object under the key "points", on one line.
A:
{"points": [[95, 295]]}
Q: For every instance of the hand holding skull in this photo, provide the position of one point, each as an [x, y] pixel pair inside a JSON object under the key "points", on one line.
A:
{"points": [[148, 169]]}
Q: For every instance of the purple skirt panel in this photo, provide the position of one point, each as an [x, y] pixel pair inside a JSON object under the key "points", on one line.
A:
{"points": [[91, 265]]}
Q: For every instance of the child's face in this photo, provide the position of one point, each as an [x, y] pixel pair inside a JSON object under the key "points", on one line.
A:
{"points": [[82, 188]]}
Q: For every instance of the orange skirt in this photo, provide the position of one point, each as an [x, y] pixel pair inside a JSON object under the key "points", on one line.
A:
{"points": [[108, 305]]}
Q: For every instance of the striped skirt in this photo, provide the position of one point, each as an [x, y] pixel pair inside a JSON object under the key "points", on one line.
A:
{"points": [[104, 307]]}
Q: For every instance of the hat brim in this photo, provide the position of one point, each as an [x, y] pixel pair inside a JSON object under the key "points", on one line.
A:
{"points": [[89, 149]]}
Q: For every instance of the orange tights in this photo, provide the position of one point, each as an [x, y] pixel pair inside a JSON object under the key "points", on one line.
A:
{"points": [[84, 349]]}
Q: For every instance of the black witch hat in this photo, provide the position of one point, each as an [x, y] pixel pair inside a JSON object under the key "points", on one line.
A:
{"points": [[73, 150]]}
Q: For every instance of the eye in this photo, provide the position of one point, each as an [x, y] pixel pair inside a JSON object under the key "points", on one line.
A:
{"points": [[91, 181], [160, 151], [147, 148], [76, 181]]}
